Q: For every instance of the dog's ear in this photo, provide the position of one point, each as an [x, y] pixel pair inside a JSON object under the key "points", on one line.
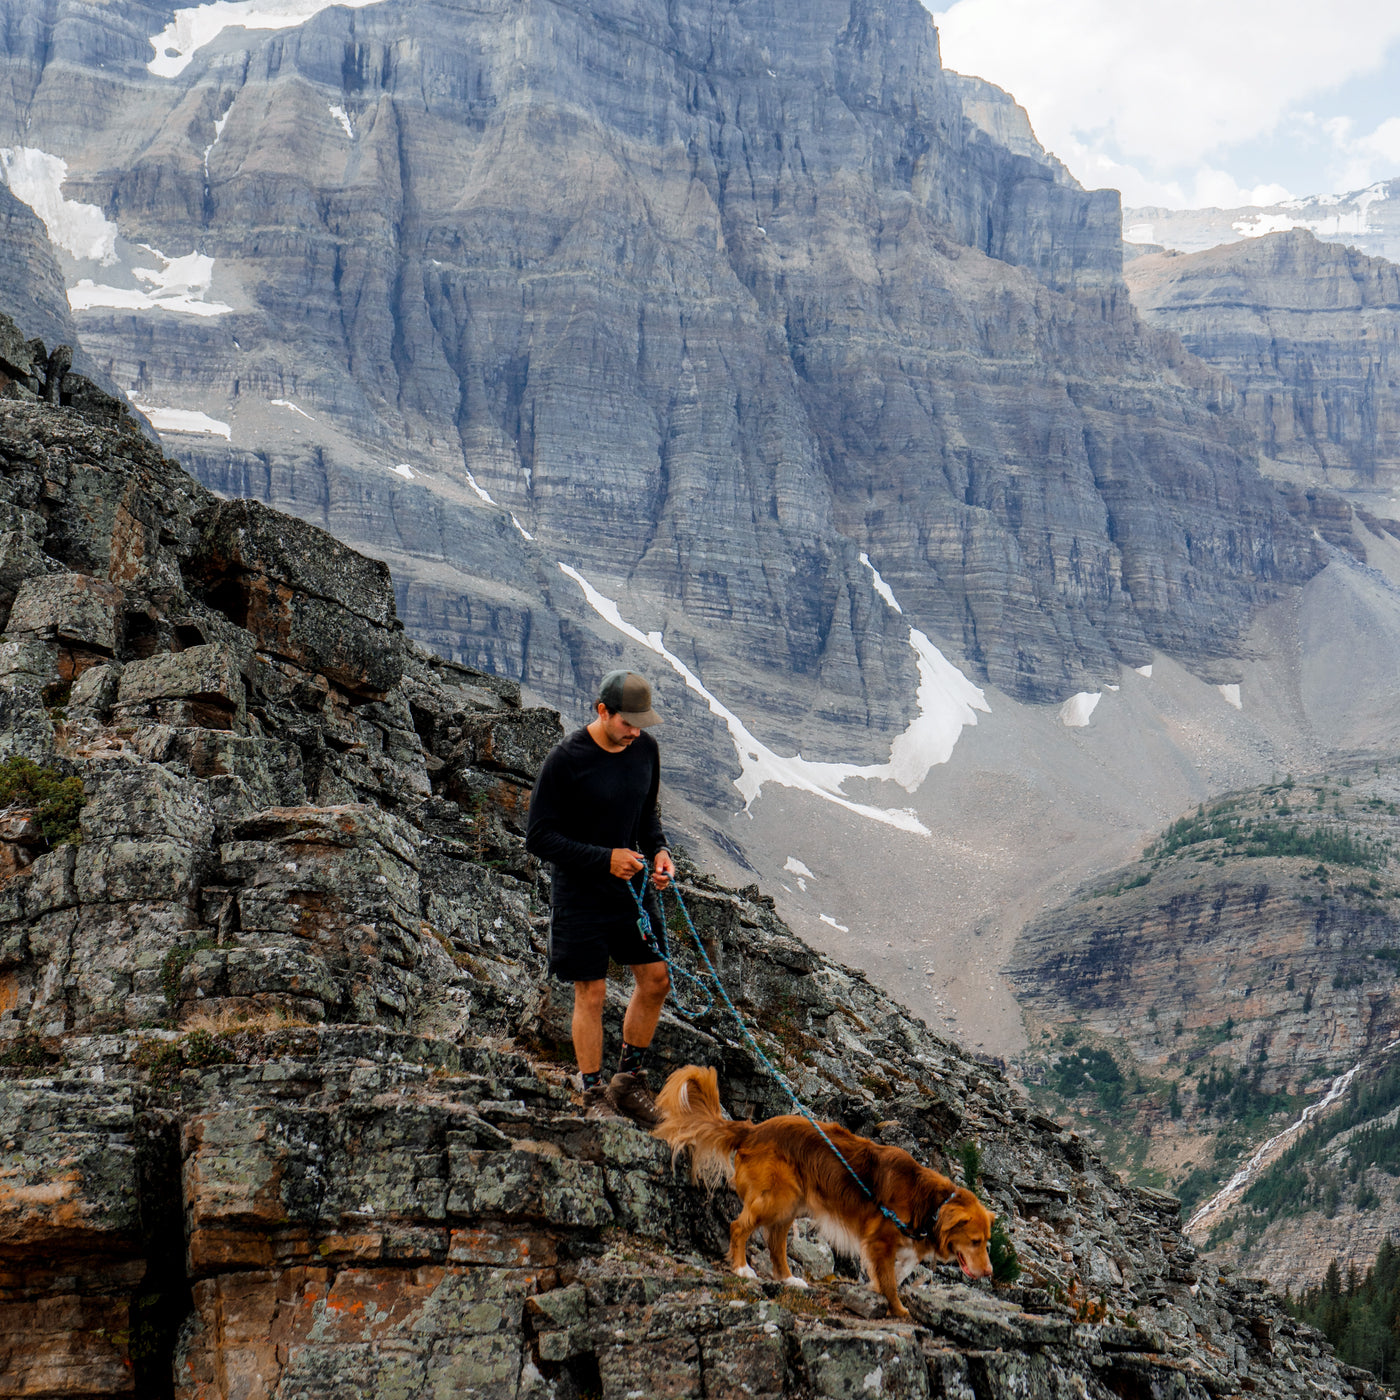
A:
{"points": [[953, 1214]]}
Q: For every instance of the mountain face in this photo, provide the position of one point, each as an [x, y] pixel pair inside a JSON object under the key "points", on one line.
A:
{"points": [[1367, 220], [1308, 332], [1194, 1002], [702, 301], [282, 1084]]}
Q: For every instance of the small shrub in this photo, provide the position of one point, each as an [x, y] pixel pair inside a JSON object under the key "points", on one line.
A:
{"points": [[166, 1059], [57, 800], [25, 1052], [1006, 1266], [970, 1155]]}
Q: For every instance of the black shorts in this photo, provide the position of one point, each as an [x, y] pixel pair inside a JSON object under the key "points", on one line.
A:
{"points": [[582, 954]]}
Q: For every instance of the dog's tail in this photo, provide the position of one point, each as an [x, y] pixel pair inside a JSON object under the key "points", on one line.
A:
{"points": [[691, 1117]]}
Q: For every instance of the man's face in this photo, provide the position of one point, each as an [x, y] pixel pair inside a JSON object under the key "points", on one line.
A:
{"points": [[618, 731]]}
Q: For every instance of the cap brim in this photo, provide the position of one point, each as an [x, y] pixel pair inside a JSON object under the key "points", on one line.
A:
{"points": [[645, 720]]}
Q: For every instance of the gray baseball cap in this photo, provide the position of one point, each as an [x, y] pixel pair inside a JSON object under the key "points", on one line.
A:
{"points": [[629, 695]]}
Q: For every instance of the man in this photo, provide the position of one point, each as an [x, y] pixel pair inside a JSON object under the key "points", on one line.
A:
{"points": [[593, 815]]}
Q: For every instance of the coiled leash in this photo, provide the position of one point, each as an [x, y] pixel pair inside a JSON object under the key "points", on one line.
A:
{"points": [[645, 929], [661, 946]]}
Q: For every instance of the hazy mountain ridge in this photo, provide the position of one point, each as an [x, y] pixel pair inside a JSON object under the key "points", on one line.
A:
{"points": [[1367, 220], [1309, 333], [709, 304]]}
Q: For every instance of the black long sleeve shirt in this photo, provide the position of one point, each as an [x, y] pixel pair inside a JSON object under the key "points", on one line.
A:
{"points": [[586, 803]]}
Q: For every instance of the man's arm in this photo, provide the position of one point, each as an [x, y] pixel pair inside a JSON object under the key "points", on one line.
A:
{"points": [[550, 809]]}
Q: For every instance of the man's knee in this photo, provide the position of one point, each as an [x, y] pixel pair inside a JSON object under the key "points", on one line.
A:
{"points": [[653, 980], [590, 996]]}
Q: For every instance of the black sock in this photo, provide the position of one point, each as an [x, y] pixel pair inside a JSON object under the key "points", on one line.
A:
{"points": [[632, 1057], [592, 1079]]}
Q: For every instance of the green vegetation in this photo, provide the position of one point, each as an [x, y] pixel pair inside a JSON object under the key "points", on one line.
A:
{"points": [[26, 1053], [1264, 836], [1360, 1317], [970, 1157], [1006, 1267], [165, 1059], [1304, 1180], [56, 800], [1086, 1071], [173, 964], [1195, 1186], [1237, 1097]]}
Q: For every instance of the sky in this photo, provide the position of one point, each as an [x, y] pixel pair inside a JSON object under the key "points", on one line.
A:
{"points": [[1192, 103]]}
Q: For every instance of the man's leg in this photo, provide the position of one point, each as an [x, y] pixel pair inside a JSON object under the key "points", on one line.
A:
{"points": [[628, 1090], [653, 982], [588, 1025]]}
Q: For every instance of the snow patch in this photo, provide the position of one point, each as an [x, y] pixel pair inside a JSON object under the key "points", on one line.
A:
{"points": [[795, 867], [1232, 695], [485, 495], [287, 403], [343, 117], [758, 763], [219, 124], [184, 420], [1138, 233], [180, 286], [514, 520], [947, 702], [36, 178], [1144, 670], [881, 587], [405, 471], [1075, 712], [827, 919], [1354, 222], [176, 45]]}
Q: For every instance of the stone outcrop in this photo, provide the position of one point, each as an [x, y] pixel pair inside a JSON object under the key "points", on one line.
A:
{"points": [[711, 301], [286, 1102], [1309, 334]]}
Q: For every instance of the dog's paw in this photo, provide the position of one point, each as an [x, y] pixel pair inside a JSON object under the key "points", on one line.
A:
{"points": [[745, 1272], [792, 1281]]}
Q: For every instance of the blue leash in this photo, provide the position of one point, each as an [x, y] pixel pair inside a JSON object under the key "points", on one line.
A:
{"points": [[645, 929], [662, 949]]}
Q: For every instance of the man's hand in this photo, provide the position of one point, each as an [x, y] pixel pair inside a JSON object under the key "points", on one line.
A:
{"points": [[624, 863], [663, 868]]}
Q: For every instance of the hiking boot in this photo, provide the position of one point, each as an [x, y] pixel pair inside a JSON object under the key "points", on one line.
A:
{"points": [[597, 1104], [630, 1096]]}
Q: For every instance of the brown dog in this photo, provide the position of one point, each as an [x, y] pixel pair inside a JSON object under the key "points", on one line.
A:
{"points": [[783, 1170]]}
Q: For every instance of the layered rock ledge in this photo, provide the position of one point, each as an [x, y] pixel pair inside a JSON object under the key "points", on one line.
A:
{"points": [[285, 1099]]}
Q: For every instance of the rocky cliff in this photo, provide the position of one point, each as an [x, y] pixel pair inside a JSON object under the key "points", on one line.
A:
{"points": [[1309, 334], [32, 293], [1190, 1005], [702, 301], [286, 1109]]}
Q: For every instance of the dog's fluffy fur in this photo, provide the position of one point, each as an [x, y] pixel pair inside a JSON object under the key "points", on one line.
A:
{"points": [[782, 1170]]}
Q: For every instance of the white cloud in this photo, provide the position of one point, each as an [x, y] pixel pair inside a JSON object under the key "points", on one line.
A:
{"points": [[1147, 95], [1363, 160]]}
